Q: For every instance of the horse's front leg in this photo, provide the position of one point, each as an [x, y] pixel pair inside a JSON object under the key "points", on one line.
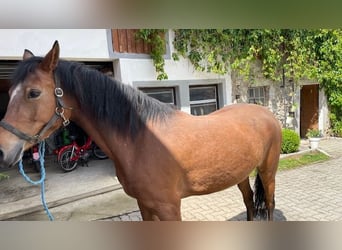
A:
{"points": [[160, 211], [145, 212]]}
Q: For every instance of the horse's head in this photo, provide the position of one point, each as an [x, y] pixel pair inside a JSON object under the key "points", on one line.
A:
{"points": [[35, 108]]}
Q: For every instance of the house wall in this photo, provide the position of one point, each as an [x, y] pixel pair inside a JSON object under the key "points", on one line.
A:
{"points": [[130, 68], [85, 44], [281, 100], [276, 103], [140, 72]]}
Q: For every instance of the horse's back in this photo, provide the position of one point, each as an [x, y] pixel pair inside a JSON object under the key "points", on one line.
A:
{"points": [[254, 124], [255, 118]]}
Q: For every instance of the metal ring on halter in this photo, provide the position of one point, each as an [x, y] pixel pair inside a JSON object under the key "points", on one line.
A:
{"points": [[59, 92], [59, 111]]}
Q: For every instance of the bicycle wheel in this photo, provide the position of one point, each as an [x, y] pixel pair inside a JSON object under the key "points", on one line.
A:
{"points": [[98, 153], [65, 160]]}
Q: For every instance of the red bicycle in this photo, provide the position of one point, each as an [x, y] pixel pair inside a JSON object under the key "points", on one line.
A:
{"points": [[69, 156]]}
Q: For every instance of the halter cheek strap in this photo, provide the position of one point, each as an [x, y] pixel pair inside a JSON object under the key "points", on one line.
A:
{"points": [[18, 133], [59, 114]]}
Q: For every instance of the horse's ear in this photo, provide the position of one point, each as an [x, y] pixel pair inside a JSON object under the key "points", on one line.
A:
{"points": [[27, 54], [50, 61]]}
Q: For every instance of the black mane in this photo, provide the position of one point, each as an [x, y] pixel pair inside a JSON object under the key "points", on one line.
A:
{"points": [[102, 98]]}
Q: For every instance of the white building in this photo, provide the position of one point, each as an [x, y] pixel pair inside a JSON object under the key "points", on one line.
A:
{"points": [[116, 52]]}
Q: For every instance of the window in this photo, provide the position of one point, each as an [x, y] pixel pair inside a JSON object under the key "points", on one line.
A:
{"points": [[257, 95], [203, 99], [166, 95]]}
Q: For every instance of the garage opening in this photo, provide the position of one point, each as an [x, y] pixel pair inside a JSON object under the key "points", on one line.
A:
{"points": [[6, 70]]}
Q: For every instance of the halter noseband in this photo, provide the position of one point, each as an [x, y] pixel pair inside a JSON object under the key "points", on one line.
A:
{"points": [[59, 113]]}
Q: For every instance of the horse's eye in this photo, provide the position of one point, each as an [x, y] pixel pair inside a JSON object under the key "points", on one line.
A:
{"points": [[33, 93]]}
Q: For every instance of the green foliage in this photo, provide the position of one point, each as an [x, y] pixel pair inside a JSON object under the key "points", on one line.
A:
{"points": [[155, 37], [314, 133], [206, 49], [3, 176], [337, 128], [277, 49], [290, 142], [295, 161], [329, 73], [336, 125], [299, 53], [301, 160]]}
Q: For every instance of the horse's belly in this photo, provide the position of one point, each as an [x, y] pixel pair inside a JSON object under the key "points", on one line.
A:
{"points": [[213, 178]]}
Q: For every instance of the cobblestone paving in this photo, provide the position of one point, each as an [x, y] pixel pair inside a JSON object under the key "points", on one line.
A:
{"points": [[310, 193]]}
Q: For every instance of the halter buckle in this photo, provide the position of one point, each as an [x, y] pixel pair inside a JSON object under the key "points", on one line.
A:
{"points": [[60, 112], [59, 92]]}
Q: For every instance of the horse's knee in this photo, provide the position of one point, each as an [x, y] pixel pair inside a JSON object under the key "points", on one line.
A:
{"points": [[169, 212], [161, 211], [145, 212]]}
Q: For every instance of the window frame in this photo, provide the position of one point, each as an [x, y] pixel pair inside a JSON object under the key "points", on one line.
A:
{"points": [[172, 90], [257, 97], [204, 102]]}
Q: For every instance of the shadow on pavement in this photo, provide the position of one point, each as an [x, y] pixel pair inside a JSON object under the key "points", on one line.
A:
{"points": [[278, 216]]}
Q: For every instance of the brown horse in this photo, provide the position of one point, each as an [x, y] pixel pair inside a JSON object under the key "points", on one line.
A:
{"points": [[160, 154]]}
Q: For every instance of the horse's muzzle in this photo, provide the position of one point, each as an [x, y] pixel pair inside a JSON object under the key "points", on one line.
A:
{"points": [[9, 159]]}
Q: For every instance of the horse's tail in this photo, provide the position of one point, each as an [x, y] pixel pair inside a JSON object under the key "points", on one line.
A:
{"points": [[259, 199]]}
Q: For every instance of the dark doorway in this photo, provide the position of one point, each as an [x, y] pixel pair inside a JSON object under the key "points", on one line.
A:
{"points": [[308, 108], [6, 69], [4, 98]]}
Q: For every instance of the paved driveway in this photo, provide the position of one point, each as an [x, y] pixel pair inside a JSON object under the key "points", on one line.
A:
{"points": [[310, 193]]}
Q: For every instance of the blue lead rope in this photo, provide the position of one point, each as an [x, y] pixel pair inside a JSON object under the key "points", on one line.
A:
{"points": [[40, 182]]}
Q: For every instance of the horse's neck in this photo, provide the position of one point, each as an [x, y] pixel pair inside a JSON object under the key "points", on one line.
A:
{"points": [[109, 140]]}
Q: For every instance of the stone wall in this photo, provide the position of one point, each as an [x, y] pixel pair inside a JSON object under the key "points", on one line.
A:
{"points": [[281, 100]]}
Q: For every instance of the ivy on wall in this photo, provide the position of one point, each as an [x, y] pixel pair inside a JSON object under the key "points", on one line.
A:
{"points": [[329, 73], [221, 50], [156, 38], [291, 53]]}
